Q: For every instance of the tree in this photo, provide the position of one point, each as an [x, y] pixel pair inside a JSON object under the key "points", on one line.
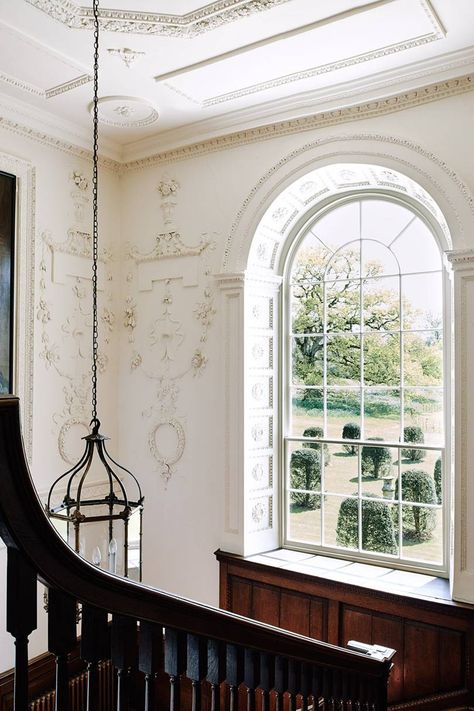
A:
{"points": [[305, 473], [438, 480], [312, 274], [317, 432], [375, 461], [418, 487], [413, 434], [378, 531], [351, 430]]}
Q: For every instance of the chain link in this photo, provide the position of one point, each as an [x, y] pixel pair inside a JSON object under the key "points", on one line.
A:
{"points": [[95, 221]]}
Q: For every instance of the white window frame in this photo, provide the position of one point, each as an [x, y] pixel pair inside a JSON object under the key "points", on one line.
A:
{"points": [[293, 244]]}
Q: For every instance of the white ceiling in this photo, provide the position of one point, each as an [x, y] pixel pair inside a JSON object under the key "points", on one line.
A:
{"points": [[222, 65]]}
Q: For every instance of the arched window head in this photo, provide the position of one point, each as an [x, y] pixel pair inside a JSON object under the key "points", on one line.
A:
{"points": [[362, 370]]}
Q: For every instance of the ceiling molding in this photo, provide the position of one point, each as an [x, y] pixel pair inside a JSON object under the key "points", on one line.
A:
{"points": [[357, 112], [204, 19], [45, 93], [405, 100]]}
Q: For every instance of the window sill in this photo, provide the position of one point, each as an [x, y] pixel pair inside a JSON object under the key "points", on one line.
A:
{"points": [[375, 577]]}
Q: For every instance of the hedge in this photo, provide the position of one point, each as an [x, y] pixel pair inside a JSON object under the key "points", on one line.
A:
{"points": [[305, 473], [351, 430], [378, 531], [317, 432], [376, 460], [415, 435]]}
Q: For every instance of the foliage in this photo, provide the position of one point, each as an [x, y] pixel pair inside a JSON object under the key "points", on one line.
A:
{"points": [[317, 432], [438, 476], [305, 473], [418, 487], [415, 435], [312, 279], [375, 461], [378, 531], [351, 430]]}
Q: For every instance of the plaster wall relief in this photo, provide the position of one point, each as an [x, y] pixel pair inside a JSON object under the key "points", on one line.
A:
{"points": [[168, 310], [64, 316]]}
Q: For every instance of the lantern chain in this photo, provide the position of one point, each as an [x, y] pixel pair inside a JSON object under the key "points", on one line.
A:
{"points": [[95, 221]]}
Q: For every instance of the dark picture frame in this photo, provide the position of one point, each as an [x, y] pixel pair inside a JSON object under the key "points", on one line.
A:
{"points": [[7, 271]]}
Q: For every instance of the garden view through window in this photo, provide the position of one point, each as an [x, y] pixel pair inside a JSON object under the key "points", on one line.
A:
{"points": [[364, 444]]}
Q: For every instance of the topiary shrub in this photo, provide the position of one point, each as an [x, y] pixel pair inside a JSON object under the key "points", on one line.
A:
{"points": [[305, 473], [375, 461], [378, 531], [438, 475], [415, 435], [317, 432], [351, 430], [418, 487]]}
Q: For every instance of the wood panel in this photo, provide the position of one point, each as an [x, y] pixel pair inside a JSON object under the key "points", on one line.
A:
{"points": [[241, 596], [433, 667]]}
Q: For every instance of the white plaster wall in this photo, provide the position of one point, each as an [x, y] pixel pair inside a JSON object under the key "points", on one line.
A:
{"points": [[53, 211], [184, 516], [184, 520]]}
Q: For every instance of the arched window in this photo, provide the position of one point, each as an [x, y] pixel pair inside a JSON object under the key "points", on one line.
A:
{"points": [[362, 375]]}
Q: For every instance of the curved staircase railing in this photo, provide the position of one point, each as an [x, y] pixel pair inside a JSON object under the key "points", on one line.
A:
{"points": [[228, 661]]}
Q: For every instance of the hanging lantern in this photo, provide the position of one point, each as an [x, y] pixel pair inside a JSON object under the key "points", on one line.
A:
{"points": [[106, 526]]}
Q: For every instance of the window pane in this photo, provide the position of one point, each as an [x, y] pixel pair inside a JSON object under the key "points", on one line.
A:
{"points": [[343, 360], [422, 301], [381, 359], [307, 307], [341, 522], [343, 305], [307, 360], [304, 522], [423, 534], [341, 470], [379, 467], [381, 304], [343, 408], [417, 247], [306, 410], [382, 414], [338, 226], [423, 409], [345, 263], [377, 259], [422, 475], [423, 358], [383, 220], [304, 463], [379, 527]]}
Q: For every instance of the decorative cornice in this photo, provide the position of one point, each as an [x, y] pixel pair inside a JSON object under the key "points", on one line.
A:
{"points": [[461, 258], [202, 20], [399, 102], [370, 109]]}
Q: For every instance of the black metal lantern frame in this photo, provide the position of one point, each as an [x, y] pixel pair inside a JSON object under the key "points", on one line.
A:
{"points": [[116, 507]]}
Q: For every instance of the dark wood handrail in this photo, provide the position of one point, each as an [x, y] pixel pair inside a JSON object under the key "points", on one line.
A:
{"points": [[24, 526]]}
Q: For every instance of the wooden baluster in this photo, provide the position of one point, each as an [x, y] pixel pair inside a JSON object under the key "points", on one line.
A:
{"points": [[62, 639], [317, 685], [175, 663], [123, 655], [305, 684], [94, 648], [266, 680], [294, 677], [281, 681], [150, 659], [21, 619], [196, 667], [215, 670], [234, 673], [251, 675]]}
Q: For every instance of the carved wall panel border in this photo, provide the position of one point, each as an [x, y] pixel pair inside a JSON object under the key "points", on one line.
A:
{"points": [[25, 289]]}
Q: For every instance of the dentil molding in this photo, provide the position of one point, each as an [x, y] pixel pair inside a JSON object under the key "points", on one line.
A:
{"points": [[204, 19]]}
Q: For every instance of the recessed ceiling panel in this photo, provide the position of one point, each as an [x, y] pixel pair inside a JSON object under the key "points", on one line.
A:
{"points": [[328, 46], [44, 69]]}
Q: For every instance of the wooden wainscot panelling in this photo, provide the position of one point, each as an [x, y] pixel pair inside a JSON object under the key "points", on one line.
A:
{"points": [[434, 639]]}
